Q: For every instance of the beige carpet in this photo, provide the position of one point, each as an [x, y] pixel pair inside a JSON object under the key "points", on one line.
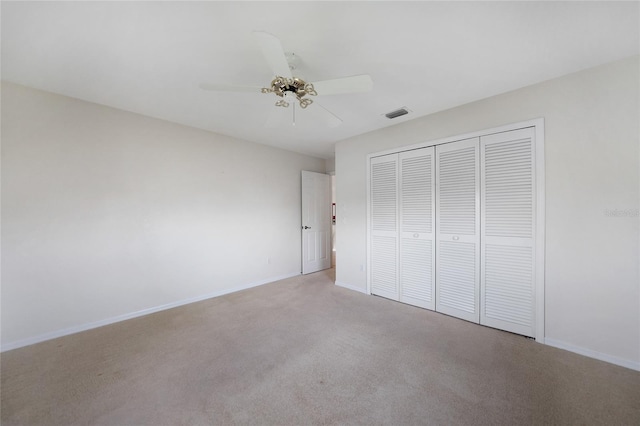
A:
{"points": [[303, 351]]}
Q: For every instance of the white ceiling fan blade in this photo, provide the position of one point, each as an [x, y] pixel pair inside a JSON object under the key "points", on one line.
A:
{"points": [[230, 88], [330, 118], [353, 84], [273, 53]]}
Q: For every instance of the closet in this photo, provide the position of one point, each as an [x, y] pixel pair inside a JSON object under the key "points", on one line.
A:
{"points": [[452, 228]]}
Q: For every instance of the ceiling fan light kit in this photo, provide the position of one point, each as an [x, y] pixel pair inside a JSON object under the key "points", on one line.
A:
{"points": [[295, 86], [292, 89]]}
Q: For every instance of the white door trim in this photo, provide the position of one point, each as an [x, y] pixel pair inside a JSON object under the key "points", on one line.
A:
{"points": [[540, 229]]}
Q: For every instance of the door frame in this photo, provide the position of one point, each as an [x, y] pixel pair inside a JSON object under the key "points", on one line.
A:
{"points": [[538, 125]]}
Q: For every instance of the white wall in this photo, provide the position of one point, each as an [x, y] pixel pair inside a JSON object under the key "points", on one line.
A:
{"points": [[106, 213], [592, 286], [330, 165]]}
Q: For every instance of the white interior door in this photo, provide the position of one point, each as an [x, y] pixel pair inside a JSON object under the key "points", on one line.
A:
{"points": [[458, 229], [384, 226], [417, 227], [316, 222], [508, 231]]}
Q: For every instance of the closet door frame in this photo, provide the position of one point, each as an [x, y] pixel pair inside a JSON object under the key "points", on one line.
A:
{"points": [[538, 125]]}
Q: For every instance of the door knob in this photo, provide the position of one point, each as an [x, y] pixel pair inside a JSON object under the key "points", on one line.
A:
{"points": [[306, 227]]}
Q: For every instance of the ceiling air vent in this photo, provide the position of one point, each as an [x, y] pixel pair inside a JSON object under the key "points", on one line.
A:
{"points": [[396, 113]]}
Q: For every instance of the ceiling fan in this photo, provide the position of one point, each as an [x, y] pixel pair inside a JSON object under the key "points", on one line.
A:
{"points": [[292, 90]]}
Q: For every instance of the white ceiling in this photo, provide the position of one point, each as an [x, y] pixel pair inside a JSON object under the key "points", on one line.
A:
{"points": [[149, 57]]}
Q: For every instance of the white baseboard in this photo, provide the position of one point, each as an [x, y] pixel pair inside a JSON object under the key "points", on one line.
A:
{"points": [[593, 354], [350, 287], [83, 327]]}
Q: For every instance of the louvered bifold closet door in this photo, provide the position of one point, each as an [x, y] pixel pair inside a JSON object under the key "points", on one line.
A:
{"points": [[417, 227], [507, 230], [458, 229], [384, 226]]}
